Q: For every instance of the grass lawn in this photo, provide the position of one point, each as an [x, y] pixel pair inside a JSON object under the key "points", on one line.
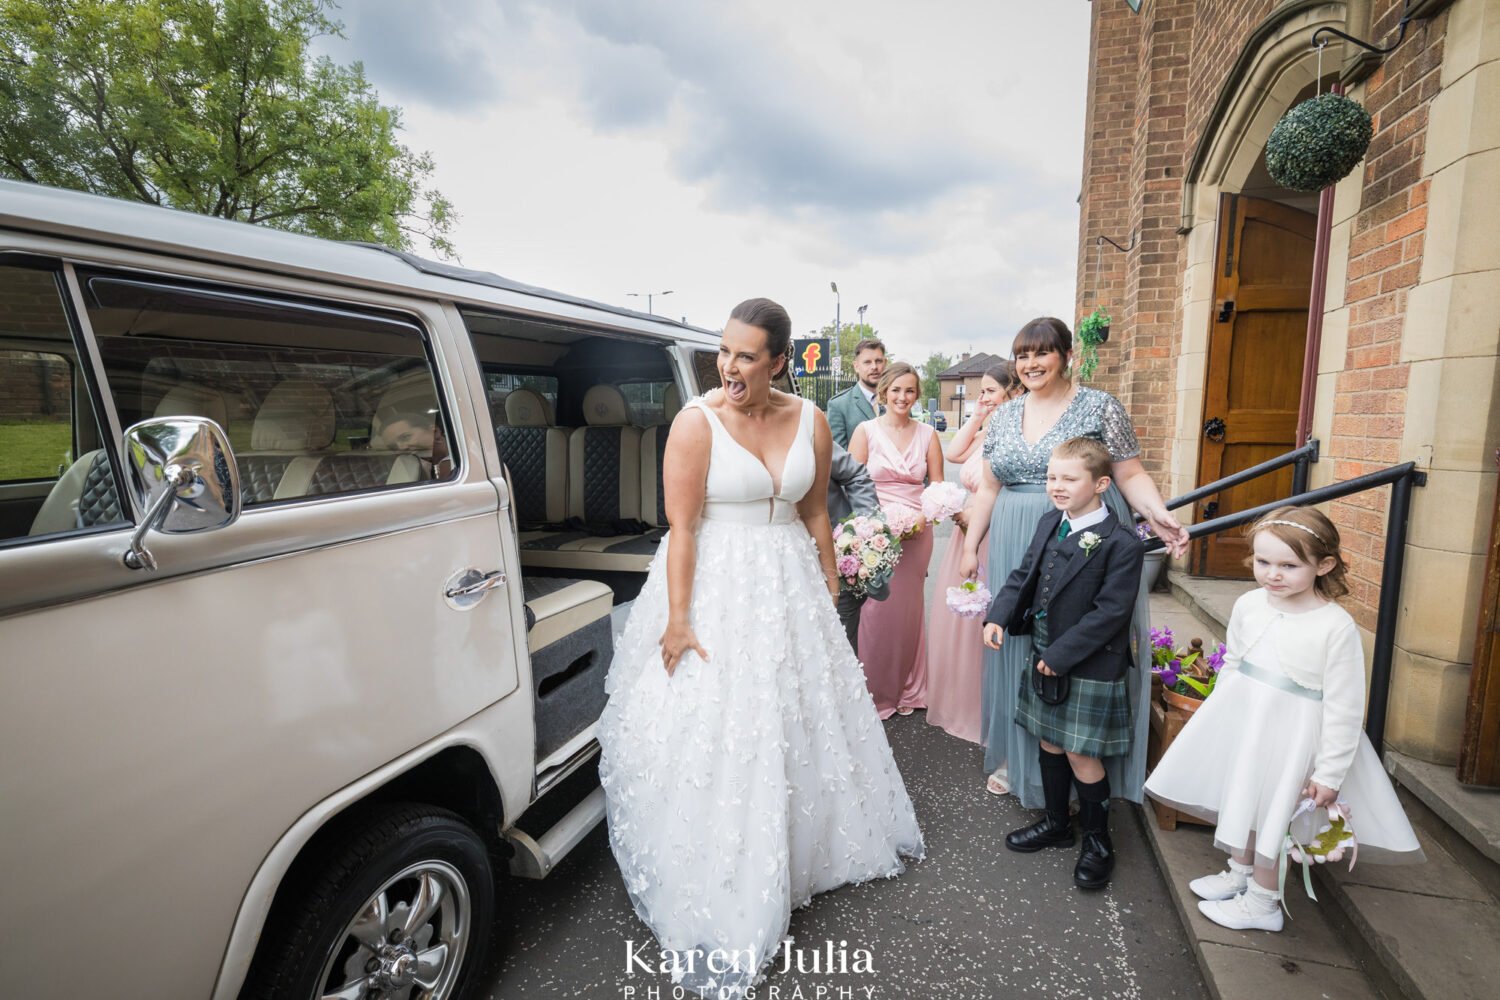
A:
{"points": [[34, 449]]}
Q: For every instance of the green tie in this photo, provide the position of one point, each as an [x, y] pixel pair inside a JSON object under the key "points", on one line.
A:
{"points": [[1064, 529]]}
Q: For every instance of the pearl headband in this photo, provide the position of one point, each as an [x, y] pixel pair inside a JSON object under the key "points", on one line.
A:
{"points": [[1291, 524]]}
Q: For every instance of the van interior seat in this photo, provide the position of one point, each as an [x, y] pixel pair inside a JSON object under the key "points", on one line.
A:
{"points": [[536, 453], [295, 424], [653, 450], [604, 527], [86, 495]]}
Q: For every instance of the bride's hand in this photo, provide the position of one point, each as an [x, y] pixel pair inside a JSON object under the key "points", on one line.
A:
{"points": [[677, 640], [1170, 531]]}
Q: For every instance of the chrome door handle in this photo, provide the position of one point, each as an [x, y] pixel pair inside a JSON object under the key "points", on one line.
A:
{"points": [[468, 587]]}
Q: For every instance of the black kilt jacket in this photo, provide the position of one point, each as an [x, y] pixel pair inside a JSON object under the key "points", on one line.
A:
{"points": [[1088, 597]]}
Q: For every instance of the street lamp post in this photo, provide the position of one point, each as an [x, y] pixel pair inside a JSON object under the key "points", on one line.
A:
{"points": [[861, 311], [960, 416], [838, 367], [649, 297]]}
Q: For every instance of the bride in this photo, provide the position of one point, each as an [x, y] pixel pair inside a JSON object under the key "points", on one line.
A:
{"points": [[744, 765]]}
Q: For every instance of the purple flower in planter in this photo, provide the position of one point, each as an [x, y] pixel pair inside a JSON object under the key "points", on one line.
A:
{"points": [[1162, 637], [1167, 675], [1215, 659]]}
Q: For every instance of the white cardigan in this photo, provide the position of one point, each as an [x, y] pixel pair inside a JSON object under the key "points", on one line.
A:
{"points": [[1319, 650]]}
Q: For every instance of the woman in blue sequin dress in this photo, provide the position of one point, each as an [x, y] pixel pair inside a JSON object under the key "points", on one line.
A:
{"points": [[1021, 436]]}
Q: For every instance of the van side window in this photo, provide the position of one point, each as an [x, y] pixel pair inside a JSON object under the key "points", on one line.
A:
{"points": [[316, 399], [499, 384], [56, 478], [647, 401]]}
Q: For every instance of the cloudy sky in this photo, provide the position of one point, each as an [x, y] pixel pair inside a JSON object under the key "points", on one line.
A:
{"points": [[925, 156]]}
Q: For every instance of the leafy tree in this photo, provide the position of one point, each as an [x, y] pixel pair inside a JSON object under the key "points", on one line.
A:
{"points": [[213, 106], [935, 364], [849, 335]]}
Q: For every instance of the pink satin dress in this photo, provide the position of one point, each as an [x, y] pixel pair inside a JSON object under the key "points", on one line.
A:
{"points": [[892, 641], [955, 646]]}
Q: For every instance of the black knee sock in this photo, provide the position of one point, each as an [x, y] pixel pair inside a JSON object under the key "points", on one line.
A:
{"points": [[1057, 783], [1091, 799]]}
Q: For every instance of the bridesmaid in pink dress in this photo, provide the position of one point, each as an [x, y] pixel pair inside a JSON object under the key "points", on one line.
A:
{"points": [[955, 650], [901, 455]]}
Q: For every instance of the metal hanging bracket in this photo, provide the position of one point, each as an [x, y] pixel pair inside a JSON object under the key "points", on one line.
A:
{"points": [[1099, 241], [1407, 16]]}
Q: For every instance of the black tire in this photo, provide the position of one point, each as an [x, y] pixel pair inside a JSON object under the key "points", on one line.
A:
{"points": [[364, 853]]}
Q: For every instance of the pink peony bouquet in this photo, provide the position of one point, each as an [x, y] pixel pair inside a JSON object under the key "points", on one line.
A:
{"points": [[865, 550], [904, 521], [970, 599], [942, 500]]}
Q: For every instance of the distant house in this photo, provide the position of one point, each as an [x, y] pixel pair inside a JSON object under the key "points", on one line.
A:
{"points": [[960, 385]]}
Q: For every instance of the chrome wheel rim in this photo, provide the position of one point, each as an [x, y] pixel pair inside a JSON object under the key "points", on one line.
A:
{"points": [[406, 942]]}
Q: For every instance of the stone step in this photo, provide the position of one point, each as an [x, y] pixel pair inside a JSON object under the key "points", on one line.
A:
{"points": [[1208, 600], [1429, 930]]}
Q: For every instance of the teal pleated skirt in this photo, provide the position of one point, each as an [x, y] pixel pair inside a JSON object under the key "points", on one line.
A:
{"points": [[1018, 508]]}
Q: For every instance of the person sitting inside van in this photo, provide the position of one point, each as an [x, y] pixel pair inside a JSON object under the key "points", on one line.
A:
{"points": [[409, 426]]}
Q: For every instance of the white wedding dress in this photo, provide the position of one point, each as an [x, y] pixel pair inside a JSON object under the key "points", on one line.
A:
{"points": [[740, 787]]}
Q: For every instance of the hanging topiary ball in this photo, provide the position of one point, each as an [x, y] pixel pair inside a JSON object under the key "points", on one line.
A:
{"points": [[1318, 142]]}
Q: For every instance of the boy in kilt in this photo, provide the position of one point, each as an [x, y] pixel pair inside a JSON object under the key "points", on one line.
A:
{"points": [[1074, 593]]}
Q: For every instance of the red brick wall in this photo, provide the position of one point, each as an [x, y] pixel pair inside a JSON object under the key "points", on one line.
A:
{"points": [[1104, 204], [1385, 256], [1153, 287]]}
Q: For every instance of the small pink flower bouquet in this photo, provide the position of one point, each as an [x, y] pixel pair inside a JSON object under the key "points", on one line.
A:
{"points": [[866, 549], [904, 521], [942, 500], [970, 599]]}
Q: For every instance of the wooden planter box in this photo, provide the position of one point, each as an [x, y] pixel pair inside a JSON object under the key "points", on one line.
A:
{"points": [[1166, 722]]}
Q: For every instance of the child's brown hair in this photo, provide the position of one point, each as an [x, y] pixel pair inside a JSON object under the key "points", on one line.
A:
{"points": [[1313, 538], [1094, 455]]}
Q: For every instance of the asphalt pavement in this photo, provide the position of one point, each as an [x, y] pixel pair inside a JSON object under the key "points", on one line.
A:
{"points": [[972, 920]]}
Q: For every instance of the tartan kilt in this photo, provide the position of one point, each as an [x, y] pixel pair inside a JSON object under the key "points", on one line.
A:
{"points": [[1094, 720]]}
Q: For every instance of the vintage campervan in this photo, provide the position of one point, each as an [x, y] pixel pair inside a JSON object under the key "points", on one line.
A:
{"points": [[310, 559]]}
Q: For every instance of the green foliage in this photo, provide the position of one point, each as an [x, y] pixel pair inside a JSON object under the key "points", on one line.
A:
{"points": [[849, 335], [213, 106], [1092, 330], [935, 364], [1318, 142]]}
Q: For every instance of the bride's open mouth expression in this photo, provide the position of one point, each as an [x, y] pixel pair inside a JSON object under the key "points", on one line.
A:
{"points": [[745, 364], [1038, 368]]}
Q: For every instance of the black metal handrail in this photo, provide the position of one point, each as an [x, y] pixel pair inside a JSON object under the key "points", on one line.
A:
{"points": [[1401, 479], [1300, 457]]}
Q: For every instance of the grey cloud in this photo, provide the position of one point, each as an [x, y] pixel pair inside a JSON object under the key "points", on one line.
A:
{"points": [[439, 53], [765, 129]]}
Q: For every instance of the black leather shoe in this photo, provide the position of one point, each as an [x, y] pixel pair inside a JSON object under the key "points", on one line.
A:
{"points": [[1095, 862], [1049, 831]]}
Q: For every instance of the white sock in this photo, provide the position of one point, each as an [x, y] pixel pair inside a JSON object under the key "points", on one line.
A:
{"points": [[1261, 900], [1243, 870]]}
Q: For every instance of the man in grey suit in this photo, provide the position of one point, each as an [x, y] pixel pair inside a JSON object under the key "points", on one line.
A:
{"points": [[856, 404], [850, 489]]}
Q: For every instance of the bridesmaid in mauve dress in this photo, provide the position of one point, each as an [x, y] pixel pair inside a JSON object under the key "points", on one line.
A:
{"points": [[955, 647], [901, 455]]}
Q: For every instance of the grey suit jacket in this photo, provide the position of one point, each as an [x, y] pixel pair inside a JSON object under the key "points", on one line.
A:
{"points": [[850, 487], [847, 411]]}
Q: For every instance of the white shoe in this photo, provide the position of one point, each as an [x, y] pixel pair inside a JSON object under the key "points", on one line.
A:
{"points": [[1244, 912], [1222, 885]]}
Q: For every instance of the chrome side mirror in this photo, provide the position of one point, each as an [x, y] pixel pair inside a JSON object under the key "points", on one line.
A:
{"points": [[183, 475]]}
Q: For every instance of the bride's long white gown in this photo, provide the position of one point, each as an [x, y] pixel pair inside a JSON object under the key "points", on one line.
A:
{"points": [[740, 787]]}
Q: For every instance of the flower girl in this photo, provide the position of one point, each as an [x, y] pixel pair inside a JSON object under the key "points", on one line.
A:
{"points": [[1283, 724]]}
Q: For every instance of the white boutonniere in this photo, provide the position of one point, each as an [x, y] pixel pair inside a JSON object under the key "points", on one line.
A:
{"points": [[1088, 543]]}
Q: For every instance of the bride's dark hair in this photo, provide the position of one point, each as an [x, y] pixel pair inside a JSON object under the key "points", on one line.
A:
{"points": [[770, 317]]}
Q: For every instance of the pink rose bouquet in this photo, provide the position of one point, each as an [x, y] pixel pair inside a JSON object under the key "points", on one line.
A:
{"points": [[904, 521], [942, 500], [970, 599], [865, 550]]}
